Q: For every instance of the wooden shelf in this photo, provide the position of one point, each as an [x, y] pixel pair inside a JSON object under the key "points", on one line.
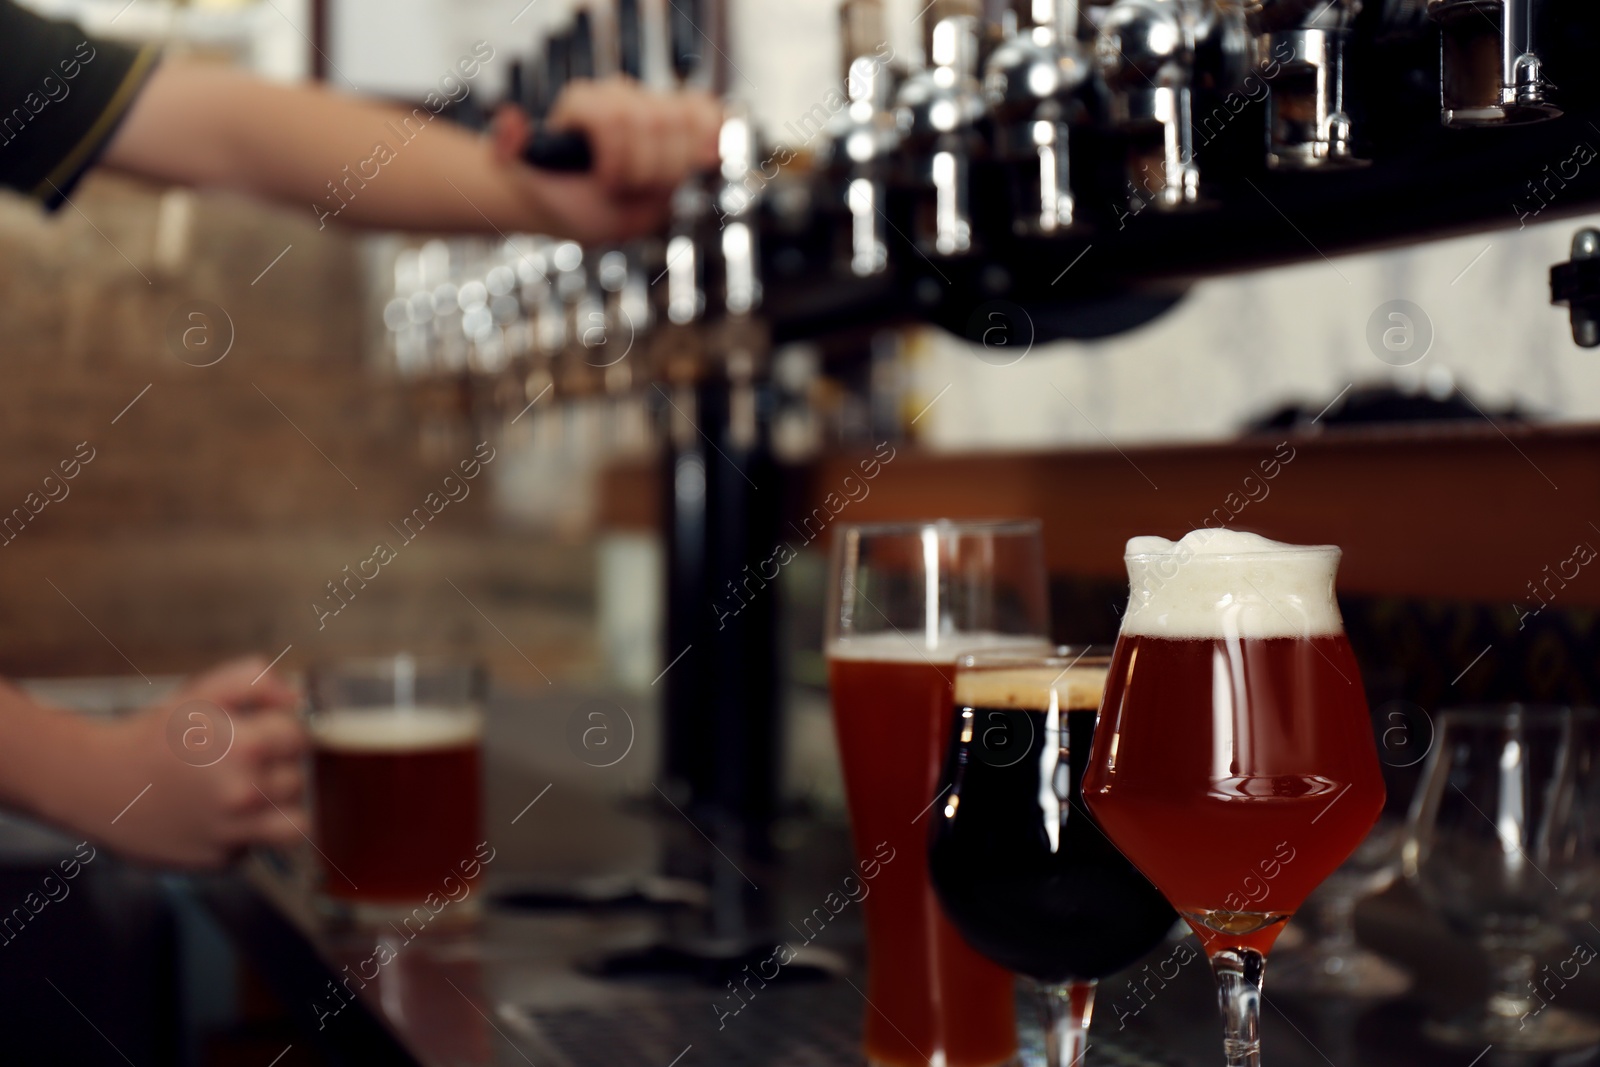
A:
{"points": [[1461, 511]]}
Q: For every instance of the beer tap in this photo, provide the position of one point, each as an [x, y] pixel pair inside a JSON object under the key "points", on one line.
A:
{"points": [[1146, 54], [406, 316], [583, 317], [736, 201], [1490, 70], [1033, 82], [938, 108], [581, 60], [745, 494], [1301, 46], [624, 273], [567, 55], [863, 136]]}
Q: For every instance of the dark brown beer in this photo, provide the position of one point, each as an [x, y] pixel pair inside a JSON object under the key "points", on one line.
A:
{"points": [[1021, 868], [398, 795]]}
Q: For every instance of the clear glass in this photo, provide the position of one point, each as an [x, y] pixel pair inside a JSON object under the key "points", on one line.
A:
{"points": [[397, 781], [1020, 866], [1504, 844], [904, 601], [1234, 761], [1332, 963]]}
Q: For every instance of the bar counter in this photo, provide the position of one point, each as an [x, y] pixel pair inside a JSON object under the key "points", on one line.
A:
{"points": [[518, 985]]}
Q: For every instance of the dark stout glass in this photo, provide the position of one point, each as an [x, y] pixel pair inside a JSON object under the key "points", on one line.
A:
{"points": [[1020, 865]]}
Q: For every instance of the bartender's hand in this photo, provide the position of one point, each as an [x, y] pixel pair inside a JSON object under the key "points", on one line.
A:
{"points": [[343, 160], [157, 786], [644, 145]]}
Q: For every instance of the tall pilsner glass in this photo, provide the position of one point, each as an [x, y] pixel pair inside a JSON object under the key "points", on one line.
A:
{"points": [[904, 600], [1234, 762]]}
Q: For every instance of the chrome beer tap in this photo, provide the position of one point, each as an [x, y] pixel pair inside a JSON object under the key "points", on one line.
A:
{"points": [[741, 333], [938, 109], [736, 198], [1490, 70], [636, 49], [1033, 82], [1146, 54], [863, 136], [583, 316], [1301, 50]]}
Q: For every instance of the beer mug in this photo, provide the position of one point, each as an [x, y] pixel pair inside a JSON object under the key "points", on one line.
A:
{"points": [[397, 780]]}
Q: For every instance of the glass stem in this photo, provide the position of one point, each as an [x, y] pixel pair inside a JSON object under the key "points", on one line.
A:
{"points": [[1239, 972], [1336, 918], [1511, 982], [1066, 1009]]}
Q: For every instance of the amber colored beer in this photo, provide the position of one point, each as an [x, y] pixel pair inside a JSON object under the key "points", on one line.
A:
{"points": [[929, 992], [1237, 774], [398, 800]]}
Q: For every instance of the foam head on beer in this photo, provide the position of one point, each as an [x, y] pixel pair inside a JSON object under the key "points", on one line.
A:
{"points": [[395, 730], [1075, 688], [1228, 585], [892, 646]]}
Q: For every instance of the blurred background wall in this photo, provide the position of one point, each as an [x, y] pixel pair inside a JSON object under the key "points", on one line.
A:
{"points": [[217, 507], [220, 505]]}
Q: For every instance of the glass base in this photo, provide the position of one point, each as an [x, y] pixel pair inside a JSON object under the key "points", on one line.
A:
{"points": [[1236, 923], [1349, 971], [1550, 1030]]}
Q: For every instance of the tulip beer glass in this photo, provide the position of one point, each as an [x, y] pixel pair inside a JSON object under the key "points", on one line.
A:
{"points": [[1234, 762]]}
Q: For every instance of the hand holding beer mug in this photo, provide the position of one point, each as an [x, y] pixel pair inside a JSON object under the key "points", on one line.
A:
{"points": [[904, 601], [1234, 762], [397, 780]]}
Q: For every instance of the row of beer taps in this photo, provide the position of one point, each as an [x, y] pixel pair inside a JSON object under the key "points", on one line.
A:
{"points": [[1013, 85]]}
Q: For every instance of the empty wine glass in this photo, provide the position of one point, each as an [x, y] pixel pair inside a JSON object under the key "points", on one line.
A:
{"points": [[1504, 843], [1332, 962]]}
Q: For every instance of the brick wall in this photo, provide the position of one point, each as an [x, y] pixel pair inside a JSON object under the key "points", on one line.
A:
{"points": [[216, 508]]}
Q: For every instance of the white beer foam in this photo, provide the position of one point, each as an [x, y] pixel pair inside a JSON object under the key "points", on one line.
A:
{"points": [[395, 729], [1226, 585], [1077, 688], [891, 646]]}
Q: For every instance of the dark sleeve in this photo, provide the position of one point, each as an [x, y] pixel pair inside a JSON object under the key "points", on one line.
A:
{"points": [[62, 95]]}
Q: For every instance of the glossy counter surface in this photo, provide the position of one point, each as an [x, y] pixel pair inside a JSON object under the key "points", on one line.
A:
{"points": [[512, 985]]}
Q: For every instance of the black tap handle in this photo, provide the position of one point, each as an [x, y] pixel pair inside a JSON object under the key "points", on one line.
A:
{"points": [[582, 46], [557, 70], [630, 39], [562, 151], [517, 85], [684, 33]]}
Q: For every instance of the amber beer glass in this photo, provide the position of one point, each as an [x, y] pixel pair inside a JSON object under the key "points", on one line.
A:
{"points": [[904, 601], [1234, 762], [396, 778]]}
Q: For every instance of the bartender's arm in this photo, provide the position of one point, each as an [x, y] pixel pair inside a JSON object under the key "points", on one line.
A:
{"points": [[67, 102], [145, 785]]}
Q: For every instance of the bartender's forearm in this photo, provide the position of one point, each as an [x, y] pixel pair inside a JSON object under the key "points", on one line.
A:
{"points": [[42, 753], [342, 157]]}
